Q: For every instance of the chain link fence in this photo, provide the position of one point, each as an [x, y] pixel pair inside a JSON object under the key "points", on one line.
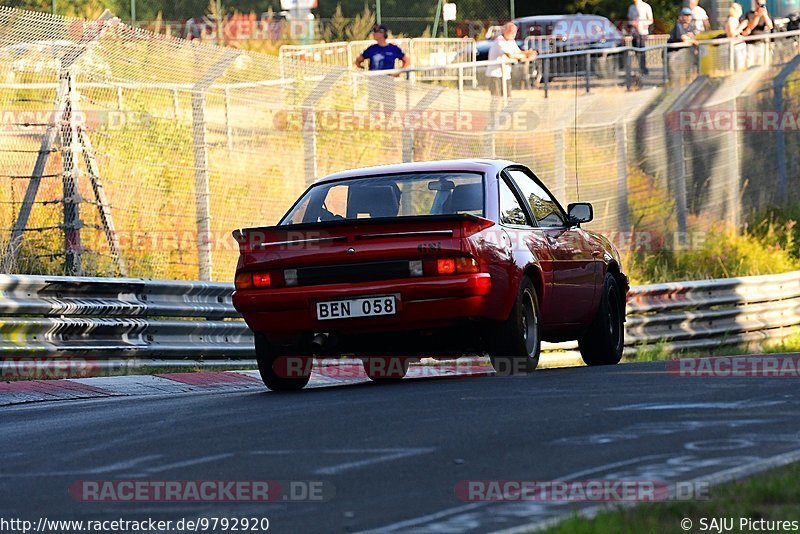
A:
{"points": [[128, 153]]}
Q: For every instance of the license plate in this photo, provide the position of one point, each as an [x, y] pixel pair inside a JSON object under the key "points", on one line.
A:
{"points": [[349, 308]]}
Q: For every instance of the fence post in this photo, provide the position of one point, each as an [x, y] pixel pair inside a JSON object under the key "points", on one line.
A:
{"points": [[731, 56], [228, 124], [202, 188], [588, 71], [665, 65], [622, 174], [546, 76], [628, 73], [678, 160], [734, 177], [70, 148], [175, 103], [780, 135], [559, 166], [202, 192], [460, 86]]}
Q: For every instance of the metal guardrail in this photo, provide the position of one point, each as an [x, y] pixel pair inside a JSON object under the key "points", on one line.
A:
{"points": [[107, 318]]}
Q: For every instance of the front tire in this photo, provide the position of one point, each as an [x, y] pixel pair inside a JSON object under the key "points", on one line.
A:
{"points": [[517, 341], [603, 343], [280, 372]]}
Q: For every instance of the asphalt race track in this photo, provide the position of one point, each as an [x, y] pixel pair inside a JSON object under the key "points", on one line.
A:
{"points": [[394, 453]]}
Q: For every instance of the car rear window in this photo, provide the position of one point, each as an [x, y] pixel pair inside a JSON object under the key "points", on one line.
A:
{"points": [[389, 196]]}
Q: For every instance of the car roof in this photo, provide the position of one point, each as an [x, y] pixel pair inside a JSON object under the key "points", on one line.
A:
{"points": [[537, 18], [464, 165]]}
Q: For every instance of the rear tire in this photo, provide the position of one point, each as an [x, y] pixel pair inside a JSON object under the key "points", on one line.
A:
{"points": [[603, 343], [278, 371], [517, 341]]}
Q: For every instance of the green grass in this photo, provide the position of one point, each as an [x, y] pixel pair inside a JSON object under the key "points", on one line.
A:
{"points": [[767, 247], [773, 495], [660, 351]]}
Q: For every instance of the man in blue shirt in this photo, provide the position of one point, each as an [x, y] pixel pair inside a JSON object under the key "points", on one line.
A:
{"points": [[382, 56]]}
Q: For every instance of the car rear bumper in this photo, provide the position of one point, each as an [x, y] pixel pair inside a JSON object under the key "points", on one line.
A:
{"points": [[421, 303]]}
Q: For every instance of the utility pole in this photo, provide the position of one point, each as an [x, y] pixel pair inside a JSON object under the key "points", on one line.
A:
{"points": [[378, 11], [511, 9], [54, 7], [133, 12], [220, 40]]}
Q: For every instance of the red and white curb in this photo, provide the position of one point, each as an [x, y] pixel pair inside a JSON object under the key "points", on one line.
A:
{"points": [[326, 374]]}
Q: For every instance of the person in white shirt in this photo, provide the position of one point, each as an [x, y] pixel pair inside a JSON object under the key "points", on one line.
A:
{"points": [[640, 18], [505, 46], [700, 17], [733, 30]]}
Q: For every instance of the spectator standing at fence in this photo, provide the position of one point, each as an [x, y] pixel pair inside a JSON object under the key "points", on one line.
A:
{"points": [[640, 18], [701, 22], [683, 31], [733, 30], [382, 55], [758, 23], [504, 47]]}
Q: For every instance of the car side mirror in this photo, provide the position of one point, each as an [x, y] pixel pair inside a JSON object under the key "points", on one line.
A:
{"points": [[580, 212]]}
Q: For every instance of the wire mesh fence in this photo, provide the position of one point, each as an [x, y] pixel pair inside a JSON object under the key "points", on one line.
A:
{"points": [[125, 152]]}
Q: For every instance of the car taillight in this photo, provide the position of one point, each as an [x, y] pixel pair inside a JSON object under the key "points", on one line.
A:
{"points": [[446, 266], [460, 265], [467, 265], [243, 281], [262, 280]]}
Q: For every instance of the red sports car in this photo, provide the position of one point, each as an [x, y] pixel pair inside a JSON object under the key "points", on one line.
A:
{"points": [[442, 258]]}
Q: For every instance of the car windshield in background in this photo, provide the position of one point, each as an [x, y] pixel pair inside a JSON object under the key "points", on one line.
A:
{"points": [[570, 28], [388, 196]]}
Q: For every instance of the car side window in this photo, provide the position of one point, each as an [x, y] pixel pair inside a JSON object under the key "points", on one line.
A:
{"points": [[511, 211], [544, 208]]}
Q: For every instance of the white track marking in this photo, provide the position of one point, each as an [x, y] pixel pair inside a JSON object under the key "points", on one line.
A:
{"points": [[472, 506], [385, 455]]}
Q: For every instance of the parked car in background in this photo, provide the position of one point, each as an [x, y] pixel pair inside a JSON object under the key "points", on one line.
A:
{"points": [[439, 259], [567, 33]]}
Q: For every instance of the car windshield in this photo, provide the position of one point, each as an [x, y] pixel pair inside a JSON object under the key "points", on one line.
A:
{"points": [[574, 28], [400, 195]]}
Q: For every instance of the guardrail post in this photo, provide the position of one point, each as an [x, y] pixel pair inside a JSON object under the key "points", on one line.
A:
{"points": [[559, 165], [622, 174]]}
